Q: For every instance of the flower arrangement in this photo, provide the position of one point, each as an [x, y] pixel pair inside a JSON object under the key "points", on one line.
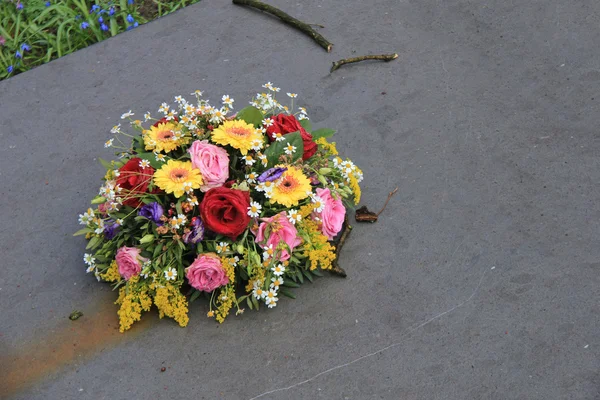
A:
{"points": [[238, 207]]}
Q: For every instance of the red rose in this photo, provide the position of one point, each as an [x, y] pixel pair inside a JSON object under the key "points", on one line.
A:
{"points": [[165, 121], [225, 211], [284, 124], [134, 181]]}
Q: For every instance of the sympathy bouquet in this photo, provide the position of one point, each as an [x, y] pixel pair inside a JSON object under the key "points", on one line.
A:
{"points": [[238, 206]]}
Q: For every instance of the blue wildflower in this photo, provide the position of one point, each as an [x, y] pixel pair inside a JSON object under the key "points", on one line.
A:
{"points": [[84, 25], [111, 11], [135, 25], [100, 20], [19, 6], [48, 4], [130, 19], [25, 47], [77, 17], [104, 27], [130, 27], [10, 69], [95, 8], [18, 54], [130, 2]]}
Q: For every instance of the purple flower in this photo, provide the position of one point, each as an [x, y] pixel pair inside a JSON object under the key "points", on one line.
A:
{"points": [[130, 2], [101, 20], [111, 229], [104, 27], [19, 6], [111, 11], [153, 212], [2, 40], [48, 4], [18, 54], [130, 18], [95, 8], [25, 47], [271, 174], [84, 25], [196, 233], [10, 69]]}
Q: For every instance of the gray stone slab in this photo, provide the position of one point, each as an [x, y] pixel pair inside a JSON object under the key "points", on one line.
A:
{"points": [[480, 281]]}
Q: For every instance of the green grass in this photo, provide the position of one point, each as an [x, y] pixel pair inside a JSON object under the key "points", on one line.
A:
{"points": [[33, 32]]}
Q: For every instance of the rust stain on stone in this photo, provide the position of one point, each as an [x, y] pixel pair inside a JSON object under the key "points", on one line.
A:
{"points": [[51, 350]]}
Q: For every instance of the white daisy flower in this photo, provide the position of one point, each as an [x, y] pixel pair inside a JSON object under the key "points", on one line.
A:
{"points": [[251, 177], [164, 108], [100, 227], [268, 252], [293, 216], [276, 282], [108, 143], [258, 292], [147, 116], [233, 261], [171, 115], [89, 259], [254, 209], [249, 160], [227, 100], [119, 221], [116, 129], [144, 163], [263, 159], [127, 114], [268, 85], [222, 247], [171, 274], [289, 149], [271, 298], [292, 95], [318, 204], [277, 136], [197, 93], [179, 99], [302, 116], [90, 268], [267, 122], [116, 173], [159, 157], [302, 110], [278, 269], [257, 144]]}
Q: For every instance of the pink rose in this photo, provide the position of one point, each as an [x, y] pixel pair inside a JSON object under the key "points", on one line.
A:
{"points": [[333, 214], [129, 261], [212, 161], [206, 273], [275, 230]]}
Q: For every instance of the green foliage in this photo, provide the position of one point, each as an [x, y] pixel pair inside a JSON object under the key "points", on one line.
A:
{"points": [[277, 149], [34, 32], [251, 115]]}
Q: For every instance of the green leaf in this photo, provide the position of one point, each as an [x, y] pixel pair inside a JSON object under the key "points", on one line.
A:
{"points": [[277, 149], [194, 296], [287, 293], [105, 164], [152, 159], [251, 115], [289, 283], [316, 272], [255, 302], [249, 302], [305, 123], [322, 133], [83, 231], [307, 275], [147, 238], [94, 242]]}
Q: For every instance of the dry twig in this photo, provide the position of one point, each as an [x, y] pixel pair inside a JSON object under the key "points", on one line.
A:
{"points": [[364, 215], [381, 57], [288, 19], [336, 269]]}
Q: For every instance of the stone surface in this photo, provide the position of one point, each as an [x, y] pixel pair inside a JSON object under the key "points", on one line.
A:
{"points": [[481, 279]]}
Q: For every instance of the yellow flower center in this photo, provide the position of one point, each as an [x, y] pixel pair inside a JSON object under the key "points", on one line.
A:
{"points": [[239, 131]]}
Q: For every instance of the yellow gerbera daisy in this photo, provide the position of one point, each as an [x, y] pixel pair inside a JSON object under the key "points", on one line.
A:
{"points": [[237, 134], [178, 177], [291, 187], [164, 137]]}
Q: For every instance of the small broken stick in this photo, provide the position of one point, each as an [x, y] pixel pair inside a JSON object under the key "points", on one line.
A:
{"points": [[364, 215], [336, 269], [288, 19], [381, 57]]}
